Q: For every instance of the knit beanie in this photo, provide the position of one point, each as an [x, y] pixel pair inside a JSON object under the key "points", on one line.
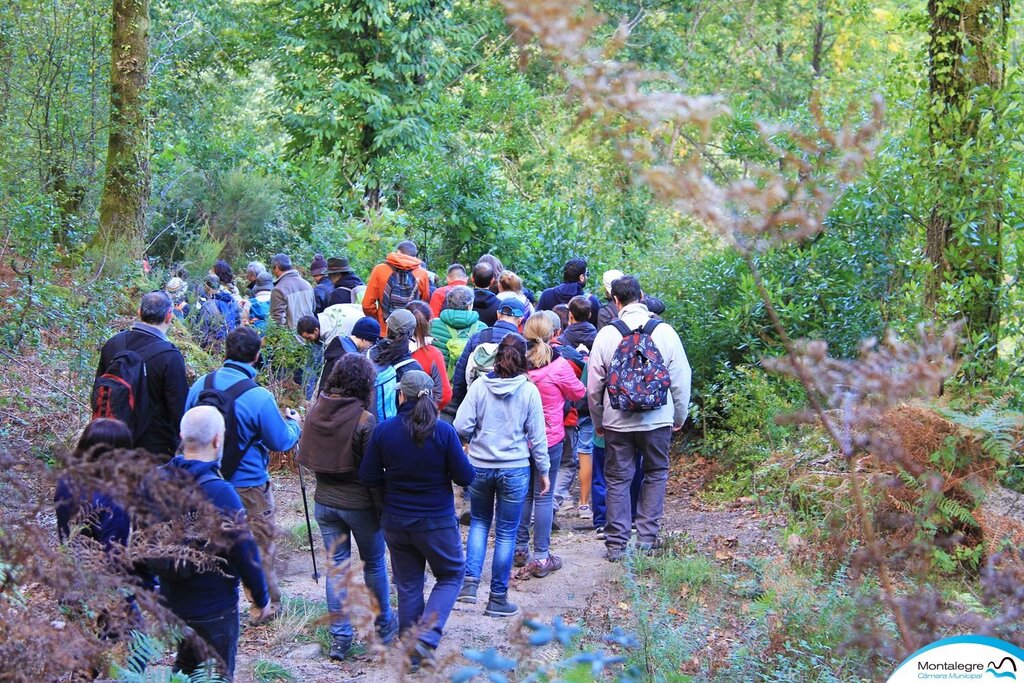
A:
{"points": [[318, 266]]}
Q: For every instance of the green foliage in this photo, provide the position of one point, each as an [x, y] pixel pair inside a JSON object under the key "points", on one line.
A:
{"points": [[145, 649], [266, 671]]}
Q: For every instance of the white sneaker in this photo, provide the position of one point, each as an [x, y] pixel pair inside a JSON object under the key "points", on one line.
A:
{"points": [[585, 512]]}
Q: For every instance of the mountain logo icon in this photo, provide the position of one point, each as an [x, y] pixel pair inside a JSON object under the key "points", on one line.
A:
{"points": [[997, 669]]}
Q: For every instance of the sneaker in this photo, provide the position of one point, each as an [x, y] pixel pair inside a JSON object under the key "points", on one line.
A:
{"points": [[541, 568], [499, 606], [388, 632], [520, 558], [615, 554], [599, 531], [340, 647], [648, 548], [468, 592], [421, 657], [585, 512]]}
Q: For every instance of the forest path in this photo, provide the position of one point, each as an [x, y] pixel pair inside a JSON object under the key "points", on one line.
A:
{"points": [[587, 590]]}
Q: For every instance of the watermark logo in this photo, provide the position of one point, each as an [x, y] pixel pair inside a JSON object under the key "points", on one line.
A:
{"points": [[963, 658]]}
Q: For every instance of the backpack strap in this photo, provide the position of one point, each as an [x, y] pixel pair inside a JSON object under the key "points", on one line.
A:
{"points": [[208, 476], [649, 326], [404, 363], [622, 327]]}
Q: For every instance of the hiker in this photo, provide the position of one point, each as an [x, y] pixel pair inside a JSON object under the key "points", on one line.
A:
{"points": [[308, 328], [456, 277], [207, 601], [141, 379], [177, 289], [365, 333], [452, 329], [574, 282], [609, 311], [259, 302], [636, 416], [485, 302], [510, 314], [226, 280], [416, 458], [218, 315], [510, 285], [497, 268], [579, 335], [347, 285], [260, 428], [252, 273], [394, 283], [102, 519], [292, 297], [557, 383], [392, 352], [324, 287], [429, 358], [336, 432], [580, 331], [504, 419]]}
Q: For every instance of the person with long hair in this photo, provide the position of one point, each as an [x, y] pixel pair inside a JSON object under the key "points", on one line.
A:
{"points": [[427, 355], [510, 286], [503, 418], [557, 383], [415, 458], [104, 520], [333, 444]]}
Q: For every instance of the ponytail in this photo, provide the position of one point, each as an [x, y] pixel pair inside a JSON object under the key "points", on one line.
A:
{"points": [[538, 332], [423, 418]]}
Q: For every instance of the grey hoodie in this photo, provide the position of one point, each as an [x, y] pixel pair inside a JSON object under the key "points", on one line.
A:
{"points": [[503, 420]]}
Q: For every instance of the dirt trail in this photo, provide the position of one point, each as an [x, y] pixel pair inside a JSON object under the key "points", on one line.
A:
{"points": [[587, 590]]}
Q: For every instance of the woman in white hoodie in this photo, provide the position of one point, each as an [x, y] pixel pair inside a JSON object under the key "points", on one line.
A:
{"points": [[503, 419]]}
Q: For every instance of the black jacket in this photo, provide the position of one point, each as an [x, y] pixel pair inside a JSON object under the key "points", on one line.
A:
{"points": [[167, 385], [486, 304], [322, 294], [342, 293]]}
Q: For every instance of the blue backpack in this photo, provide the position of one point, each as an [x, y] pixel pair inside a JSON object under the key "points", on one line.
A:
{"points": [[259, 312], [385, 390]]}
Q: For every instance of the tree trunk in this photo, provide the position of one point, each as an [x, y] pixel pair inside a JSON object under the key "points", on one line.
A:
{"points": [[818, 39], [127, 183], [964, 233]]}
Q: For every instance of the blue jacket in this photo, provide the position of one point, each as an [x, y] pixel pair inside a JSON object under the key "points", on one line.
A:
{"points": [[257, 415], [563, 293], [417, 480], [491, 334], [103, 520], [216, 591]]}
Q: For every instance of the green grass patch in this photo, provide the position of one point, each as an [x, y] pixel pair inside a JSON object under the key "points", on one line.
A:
{"points": [[271, 672]]}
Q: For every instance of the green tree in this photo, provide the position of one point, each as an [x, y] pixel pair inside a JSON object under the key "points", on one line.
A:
{"points": [[360, 78], [126, 187], [966, 54]]}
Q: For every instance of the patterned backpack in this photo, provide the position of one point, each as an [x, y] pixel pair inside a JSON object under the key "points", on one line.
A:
{"points": [[638, 378], [399, 290]]}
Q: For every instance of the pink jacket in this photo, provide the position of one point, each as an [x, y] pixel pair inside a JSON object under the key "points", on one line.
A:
{"points": [[557, 383]]}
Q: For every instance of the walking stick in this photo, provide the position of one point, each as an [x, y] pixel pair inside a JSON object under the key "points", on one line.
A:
{"points": [[309, 529]]}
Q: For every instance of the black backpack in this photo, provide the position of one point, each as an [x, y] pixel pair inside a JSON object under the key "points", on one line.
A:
{"points": [[224, 401], [121, 392], [399, 290]]}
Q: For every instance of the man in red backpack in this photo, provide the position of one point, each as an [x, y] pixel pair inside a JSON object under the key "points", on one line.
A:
{"points": [[141, 379], [394, 283], [638, 388]]}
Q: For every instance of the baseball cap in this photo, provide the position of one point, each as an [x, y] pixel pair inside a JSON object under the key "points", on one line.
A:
{"points": [[513, 307]]}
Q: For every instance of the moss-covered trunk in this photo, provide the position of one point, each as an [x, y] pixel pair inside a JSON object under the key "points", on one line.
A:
{"points": [[126, 186]]}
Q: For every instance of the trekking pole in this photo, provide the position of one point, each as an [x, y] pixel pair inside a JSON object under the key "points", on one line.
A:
{"points": [[309, 529]]}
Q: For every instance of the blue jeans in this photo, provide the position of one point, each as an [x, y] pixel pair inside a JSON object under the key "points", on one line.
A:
{"points": [[215, 636], [338, 526], [540, 508], [496, 494], [411, 550], [598, 489]]}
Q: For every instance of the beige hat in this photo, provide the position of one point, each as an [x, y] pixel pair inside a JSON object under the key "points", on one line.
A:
{"points": [[611, 276]]}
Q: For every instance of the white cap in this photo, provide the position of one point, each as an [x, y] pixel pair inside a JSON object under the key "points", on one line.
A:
{"points": [[611, 276]]}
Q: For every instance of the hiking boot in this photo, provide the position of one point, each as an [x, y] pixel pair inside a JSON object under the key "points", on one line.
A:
{"points": [[388, 632], [520, 558], [650, 548], [421, 657], [599, 531], [541, 568], [340, 648], [585, 512], [615, 554], [468, 592], [499, 606]]}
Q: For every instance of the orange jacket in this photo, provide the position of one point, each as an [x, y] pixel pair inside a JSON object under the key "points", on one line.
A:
{"points": [[372, 304]]}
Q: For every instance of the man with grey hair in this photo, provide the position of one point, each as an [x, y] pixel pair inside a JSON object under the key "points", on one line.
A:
{"points": [[252, 271], [292, 297], [141, 380], [452, 329], [207, 601]]}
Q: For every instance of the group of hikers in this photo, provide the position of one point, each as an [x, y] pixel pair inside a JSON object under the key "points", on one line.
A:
{"points": [[474, 389]]}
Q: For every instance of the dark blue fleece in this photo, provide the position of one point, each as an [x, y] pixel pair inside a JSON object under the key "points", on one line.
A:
{"points": [[103, 520], [417, 480], [562, 294], [491, 334], [214, 592]]}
